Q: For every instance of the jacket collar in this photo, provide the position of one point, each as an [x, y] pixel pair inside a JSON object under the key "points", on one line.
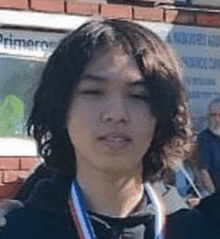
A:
{"points": [[51, 195]]}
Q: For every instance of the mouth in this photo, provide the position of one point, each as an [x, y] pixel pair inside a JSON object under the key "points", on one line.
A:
{"points": [[116, 141]]}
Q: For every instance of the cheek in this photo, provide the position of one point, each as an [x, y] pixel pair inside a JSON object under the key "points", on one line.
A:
{"points": [[81, 120], [143, 118], [212, 120], [145, 125]]}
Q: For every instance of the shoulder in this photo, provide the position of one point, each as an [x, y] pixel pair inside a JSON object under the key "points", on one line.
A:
{"points": [[29, 222], [26, 223], [44, 215], [190, 224], [205, 134], [206, 141], [21, 223]]}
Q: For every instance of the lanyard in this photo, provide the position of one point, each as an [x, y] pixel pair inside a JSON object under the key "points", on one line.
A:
{"points": [[159, 222], [79, 214], [83, 224], [186, 174]]}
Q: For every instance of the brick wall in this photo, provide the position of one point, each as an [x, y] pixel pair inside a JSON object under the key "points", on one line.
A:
{"points": [[13, 169], [12, 172], [178, 15]]}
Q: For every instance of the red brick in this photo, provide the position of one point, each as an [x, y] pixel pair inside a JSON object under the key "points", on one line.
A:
{"points": [[14, 176], [48, 5], [21, 4], [116, 11], [82, 8], [208, 19], [27, 162], [9, 163], [9, 190], [150, 14], [176, 16]]}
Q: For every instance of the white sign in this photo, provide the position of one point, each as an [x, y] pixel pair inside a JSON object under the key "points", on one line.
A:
{"points": [[198, 52], [28, 43]]}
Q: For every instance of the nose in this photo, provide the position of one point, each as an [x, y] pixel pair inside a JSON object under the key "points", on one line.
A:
{"points": [[115, 111]]}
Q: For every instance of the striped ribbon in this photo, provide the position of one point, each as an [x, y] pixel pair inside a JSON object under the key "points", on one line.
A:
{"points": [[79, 214], [83, 224], [159, 225]]}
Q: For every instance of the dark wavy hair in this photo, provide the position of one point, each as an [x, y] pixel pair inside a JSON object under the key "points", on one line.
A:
{"points": [[47, 123]]}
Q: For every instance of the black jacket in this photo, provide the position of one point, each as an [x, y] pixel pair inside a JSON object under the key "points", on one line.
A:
{"points": [[209, 153], [46, 216]]}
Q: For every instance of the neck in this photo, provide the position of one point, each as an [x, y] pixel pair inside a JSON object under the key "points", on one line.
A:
{"points": [[111, 193]]}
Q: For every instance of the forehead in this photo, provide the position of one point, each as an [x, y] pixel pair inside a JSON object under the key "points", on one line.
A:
{"points": [[112, 64]]}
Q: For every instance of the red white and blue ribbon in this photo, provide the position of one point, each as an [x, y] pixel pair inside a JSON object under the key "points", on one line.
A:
{"points": [[83, 224], [79, 214]]}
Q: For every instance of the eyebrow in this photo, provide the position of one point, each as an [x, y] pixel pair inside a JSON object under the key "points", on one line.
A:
{"points": [[138, 82]]}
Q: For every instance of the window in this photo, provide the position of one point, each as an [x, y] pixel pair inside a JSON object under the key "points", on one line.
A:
{"points": [[23, 54]]}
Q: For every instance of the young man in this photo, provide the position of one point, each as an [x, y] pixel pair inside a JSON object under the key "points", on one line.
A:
{"points": [[109, 118]]}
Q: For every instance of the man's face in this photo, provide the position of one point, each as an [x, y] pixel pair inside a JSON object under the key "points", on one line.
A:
{"points": [[109, 122], [214, 117]]}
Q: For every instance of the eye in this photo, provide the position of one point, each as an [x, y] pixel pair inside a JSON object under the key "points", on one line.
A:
{"points": [[91, 92], [140, 97]]}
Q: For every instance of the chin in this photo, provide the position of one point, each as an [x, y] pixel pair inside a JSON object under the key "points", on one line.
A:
{"points": [[120, 167]]}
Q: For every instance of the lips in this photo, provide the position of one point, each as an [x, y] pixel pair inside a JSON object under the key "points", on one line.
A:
{"points": [[116, 141]]}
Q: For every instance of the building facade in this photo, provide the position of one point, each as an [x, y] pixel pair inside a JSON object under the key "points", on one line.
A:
{"points": [[31, 29]]}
